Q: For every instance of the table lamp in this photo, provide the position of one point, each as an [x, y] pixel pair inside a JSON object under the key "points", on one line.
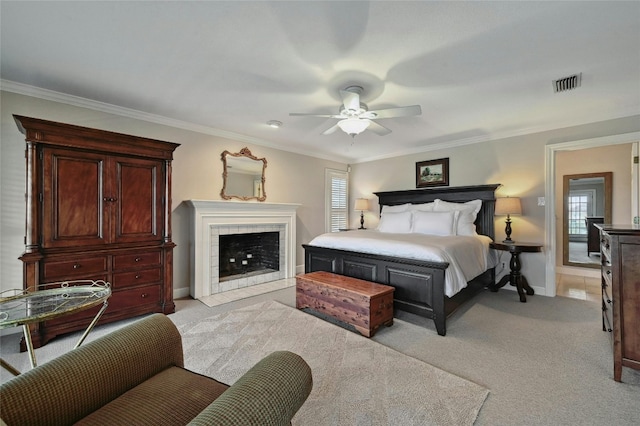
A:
{"points": [[508, 206], [362, 204]]}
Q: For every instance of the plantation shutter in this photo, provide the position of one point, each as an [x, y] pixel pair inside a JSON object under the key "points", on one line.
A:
{"points": [[337, 183]]}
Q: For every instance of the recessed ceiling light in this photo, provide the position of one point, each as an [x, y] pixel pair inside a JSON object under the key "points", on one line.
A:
{"points": [[274, 123]]}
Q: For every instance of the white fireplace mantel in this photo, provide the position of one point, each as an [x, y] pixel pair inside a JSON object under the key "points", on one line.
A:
{"points": [[206, 214]]}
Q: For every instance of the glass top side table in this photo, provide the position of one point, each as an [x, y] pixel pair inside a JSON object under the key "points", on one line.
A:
{"points": [[70, 297]]}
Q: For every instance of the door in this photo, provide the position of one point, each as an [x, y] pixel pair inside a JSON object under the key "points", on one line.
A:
{"points": [[138, 199], [91, 199], [74, 209]]}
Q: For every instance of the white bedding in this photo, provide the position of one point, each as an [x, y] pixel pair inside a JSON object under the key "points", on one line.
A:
{"points": [[468, 256]]}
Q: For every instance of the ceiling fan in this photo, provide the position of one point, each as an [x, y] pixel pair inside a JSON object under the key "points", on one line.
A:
{"points": [[355, 116]]}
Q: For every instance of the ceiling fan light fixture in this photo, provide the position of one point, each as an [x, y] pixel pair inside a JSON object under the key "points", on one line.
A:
{"points": [[353, 126], [274, 123]]}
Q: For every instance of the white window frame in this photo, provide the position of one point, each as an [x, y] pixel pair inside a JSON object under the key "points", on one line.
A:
{"points": [[331, 210]]}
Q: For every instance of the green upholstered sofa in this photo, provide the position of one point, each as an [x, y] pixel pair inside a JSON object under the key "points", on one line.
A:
{"points": [[136, 376]]}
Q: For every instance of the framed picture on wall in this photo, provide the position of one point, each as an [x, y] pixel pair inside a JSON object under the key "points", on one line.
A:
{"points": [[432, 173]]}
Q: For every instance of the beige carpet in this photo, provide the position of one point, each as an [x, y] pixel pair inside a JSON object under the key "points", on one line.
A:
{"points": [[356, 381]]}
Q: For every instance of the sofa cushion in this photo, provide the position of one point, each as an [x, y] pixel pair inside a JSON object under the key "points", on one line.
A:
{"points": [[80, 381], [171, 397]]}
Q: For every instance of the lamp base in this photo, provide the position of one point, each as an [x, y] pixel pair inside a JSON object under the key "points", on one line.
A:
{"points": [[507, 230]]}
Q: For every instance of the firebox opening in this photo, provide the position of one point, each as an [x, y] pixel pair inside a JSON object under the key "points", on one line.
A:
{"points": [[248, 254]]}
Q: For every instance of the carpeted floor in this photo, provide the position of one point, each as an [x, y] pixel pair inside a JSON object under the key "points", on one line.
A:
{"points": [[356, 381], [544, 362]]}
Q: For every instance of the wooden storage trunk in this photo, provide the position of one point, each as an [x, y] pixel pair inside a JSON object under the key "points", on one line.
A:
{"points": [[362, 304]]}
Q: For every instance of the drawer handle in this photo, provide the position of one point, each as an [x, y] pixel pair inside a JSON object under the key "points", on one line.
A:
{"points": [[609, 330], [608, 272], [137, 259], [143, 295], [76, 266], [608, 300], [137, 277]]}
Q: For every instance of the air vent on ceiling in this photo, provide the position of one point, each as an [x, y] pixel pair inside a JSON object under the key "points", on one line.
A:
{"points": [[567, 83]]}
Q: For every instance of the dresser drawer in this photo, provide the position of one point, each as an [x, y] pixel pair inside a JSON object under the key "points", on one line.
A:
{"points": [[605, 247], [66, 269], [136, 260], [607, 318], [134, 298], [135, 278], [80, 319], [606, 276]]}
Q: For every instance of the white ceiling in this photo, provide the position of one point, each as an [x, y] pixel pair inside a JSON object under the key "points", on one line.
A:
{"points": [[479, 70]]}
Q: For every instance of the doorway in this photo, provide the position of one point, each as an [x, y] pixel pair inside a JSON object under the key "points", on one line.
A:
{"points": [[552, 227]]}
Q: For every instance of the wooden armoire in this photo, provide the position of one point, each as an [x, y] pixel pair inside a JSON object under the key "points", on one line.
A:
{"points": [[98, 207]]}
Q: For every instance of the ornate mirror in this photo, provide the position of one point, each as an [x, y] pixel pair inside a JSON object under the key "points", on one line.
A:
{"points": [[243, 176]]}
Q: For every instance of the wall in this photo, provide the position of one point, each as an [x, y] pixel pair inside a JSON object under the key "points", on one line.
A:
{"points": [[518, 163], [613, 158], [197, 174]]}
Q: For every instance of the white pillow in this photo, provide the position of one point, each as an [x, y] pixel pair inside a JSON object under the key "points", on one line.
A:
{"points": [[397, 223], [467, 217], [424, 207], [435, 223], [395, 209]]}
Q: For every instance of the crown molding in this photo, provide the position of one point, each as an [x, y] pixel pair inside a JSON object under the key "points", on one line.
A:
{"points": [[50, 95], [64, 98], [498, 136]]}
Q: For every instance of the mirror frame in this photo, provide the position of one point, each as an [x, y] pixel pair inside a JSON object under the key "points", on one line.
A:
{"points": [[244, 152], [608, 202]]}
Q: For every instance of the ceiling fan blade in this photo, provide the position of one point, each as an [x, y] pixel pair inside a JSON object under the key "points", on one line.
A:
{"points": [[350, 100], [378, 129], [394, 112], [316, 115], [330, 130]]}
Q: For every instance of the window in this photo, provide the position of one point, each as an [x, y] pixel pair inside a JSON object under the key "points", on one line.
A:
{"points": [[337, 197], [580, 206]]}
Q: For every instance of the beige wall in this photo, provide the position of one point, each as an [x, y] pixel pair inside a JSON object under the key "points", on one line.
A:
{"points": [[518, 163], [197, 174], [613, 158]]}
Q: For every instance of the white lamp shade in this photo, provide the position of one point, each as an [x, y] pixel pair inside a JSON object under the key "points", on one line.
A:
{"points": [[508, 206], [361, 204], [353, 126]]}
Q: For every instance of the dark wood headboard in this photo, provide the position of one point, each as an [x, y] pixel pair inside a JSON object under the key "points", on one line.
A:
{"points": [[461, 194]]}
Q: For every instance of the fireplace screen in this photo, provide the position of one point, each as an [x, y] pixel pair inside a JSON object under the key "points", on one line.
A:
{"points": [[249, 254]]}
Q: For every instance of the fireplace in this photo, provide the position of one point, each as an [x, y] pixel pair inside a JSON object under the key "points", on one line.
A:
{"points": [[230, 261], [251, 254], [259, 229]]}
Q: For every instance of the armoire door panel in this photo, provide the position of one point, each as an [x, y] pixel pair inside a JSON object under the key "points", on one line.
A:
{"points": [[138, 200], [73, 202]]}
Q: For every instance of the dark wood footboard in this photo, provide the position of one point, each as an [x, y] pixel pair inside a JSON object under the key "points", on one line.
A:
{"points": [[419, 285]]}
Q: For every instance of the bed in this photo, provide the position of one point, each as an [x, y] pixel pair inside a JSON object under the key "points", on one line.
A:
{"points": [[419, 284]]}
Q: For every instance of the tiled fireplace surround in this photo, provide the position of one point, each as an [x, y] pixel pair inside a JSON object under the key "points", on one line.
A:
{"points": [[211, 218]]}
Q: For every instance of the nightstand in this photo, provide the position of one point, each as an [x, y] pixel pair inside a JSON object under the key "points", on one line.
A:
{"points": [[515, 278]]}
